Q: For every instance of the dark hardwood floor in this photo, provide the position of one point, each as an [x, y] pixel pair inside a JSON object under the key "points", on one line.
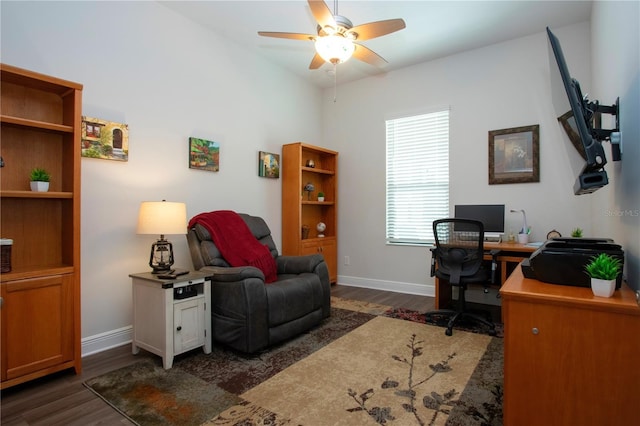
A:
{"points": [[61, 399]]}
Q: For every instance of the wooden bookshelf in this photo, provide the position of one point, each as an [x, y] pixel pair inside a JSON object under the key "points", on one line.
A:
{"points": [[40, 117]]}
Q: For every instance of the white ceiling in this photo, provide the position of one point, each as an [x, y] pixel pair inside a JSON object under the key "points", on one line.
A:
{"points": [[435, 29]]}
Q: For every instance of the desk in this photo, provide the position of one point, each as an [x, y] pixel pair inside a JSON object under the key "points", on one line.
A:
{"points": [[510, 253], [569, 356]]}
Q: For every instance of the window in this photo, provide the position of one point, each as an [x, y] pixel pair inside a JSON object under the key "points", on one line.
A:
{"points": [[417, 176]]}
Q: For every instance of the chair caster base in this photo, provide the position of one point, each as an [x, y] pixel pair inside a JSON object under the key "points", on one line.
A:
{"points": [[448, 332], [492, 333]]}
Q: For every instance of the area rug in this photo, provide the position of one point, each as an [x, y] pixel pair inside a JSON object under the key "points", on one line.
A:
{"points": [[200, 386], [388, 371], [355, 368]]}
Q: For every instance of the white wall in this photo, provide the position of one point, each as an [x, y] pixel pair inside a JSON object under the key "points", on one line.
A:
{"points": [[168, 79], [616, 73], [500, 86]]}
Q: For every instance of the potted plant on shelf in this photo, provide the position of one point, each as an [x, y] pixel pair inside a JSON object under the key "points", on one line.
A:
{"points": [[603, 270], [320, 196], [576, 233], [39, 180]]}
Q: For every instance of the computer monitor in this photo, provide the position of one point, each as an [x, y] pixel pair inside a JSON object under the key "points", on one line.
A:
{"points": [[491, 216]]}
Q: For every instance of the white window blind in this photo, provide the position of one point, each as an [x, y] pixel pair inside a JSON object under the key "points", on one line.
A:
{"points": [[417, 176]]}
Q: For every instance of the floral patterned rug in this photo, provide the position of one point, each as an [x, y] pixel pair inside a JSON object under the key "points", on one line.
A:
{"points": [[355, 368]]}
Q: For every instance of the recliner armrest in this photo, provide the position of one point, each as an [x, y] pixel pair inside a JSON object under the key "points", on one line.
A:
{"points": [[298, 264], [238, 273]]}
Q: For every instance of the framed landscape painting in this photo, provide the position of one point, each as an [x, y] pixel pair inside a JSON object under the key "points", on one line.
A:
{"points": [[204, 155], [104, 139], [268, 165]]}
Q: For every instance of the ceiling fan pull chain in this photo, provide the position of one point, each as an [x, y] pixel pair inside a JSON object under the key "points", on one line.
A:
{"points": [[335, 82]]}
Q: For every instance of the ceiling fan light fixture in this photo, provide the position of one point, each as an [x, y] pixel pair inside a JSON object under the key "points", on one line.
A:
{"points": [[335, 48]]}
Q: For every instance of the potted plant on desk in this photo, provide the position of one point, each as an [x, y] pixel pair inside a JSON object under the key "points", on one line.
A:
{"points": [[603, 270]]}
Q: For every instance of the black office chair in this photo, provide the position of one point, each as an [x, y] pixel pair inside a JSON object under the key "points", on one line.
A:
{"points": [[458, 259]]}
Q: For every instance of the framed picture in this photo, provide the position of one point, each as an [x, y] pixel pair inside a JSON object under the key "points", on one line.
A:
{"points": [[568, 122], [514, 155], [104, 139], [204, 155], [268, 165]]}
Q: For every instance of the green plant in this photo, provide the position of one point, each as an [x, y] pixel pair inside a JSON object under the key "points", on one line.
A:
{"points": [[39, 175], [320, 194], [576, 233], [604, 267]]}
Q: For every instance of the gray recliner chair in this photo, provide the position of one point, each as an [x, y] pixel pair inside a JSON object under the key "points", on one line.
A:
{"points": [[249, 315]]}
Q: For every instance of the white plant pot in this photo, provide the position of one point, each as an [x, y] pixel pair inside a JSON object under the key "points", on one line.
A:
{"points": [[37, 186], [603, 288], [321, 199]]}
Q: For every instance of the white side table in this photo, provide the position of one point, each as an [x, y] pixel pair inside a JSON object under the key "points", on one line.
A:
{"points": [[171, 317]]}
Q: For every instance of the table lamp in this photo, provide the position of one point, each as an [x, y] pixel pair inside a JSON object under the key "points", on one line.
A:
{"points": [[162, 217]]}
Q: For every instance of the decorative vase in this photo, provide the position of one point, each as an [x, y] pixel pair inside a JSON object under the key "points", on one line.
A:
{"points": [[38, 186], [603, 288]]}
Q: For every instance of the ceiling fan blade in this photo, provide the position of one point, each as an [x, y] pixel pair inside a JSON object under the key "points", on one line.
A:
{"points": [[316, 62], [367, 55], [377, 29], [322, 13], [293, 36]]}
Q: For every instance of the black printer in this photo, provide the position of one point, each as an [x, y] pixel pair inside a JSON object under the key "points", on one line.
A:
{"points": [[562, 260]]}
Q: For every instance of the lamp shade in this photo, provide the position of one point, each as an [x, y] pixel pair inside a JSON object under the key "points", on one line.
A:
{"points": [[334, 48], [162, 218]]}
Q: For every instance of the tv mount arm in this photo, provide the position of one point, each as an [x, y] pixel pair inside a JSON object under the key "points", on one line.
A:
{"points": [[595, 111]]}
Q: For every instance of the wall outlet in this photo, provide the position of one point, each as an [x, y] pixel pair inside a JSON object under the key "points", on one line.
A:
{"points": [[347, 261]]}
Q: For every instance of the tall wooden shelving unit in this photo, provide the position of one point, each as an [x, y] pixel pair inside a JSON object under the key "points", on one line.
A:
{"points": [[40, 315], [298, 209]]}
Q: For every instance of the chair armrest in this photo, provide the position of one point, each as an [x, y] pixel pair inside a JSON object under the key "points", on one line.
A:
{"points": [[233, 274], [298, 264], [433, 260], [239, 307]]}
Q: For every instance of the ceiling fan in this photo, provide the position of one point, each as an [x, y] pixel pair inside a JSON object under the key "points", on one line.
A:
{"points": [[336, 39]]}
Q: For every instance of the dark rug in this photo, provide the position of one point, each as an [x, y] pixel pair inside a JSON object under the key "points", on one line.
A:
{"points": [[200, 387], [441, 321]]}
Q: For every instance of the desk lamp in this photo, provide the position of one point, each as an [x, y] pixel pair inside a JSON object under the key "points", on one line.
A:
{"points": [[161, 217], [525, 229]]}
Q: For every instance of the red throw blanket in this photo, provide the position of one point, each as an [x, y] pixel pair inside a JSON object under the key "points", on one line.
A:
{"points": [[236, 243]]}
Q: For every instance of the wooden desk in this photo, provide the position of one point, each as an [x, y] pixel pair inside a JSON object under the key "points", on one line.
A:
{"points": [[511, 253], [569, 356]]}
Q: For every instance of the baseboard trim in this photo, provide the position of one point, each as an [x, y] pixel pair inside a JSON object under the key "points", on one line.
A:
{"points": [[395, 286], [107, 340]]}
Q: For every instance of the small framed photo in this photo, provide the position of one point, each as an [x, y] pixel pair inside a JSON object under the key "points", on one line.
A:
{"points": [[268, 165], [204, 155], [514, 155]]}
